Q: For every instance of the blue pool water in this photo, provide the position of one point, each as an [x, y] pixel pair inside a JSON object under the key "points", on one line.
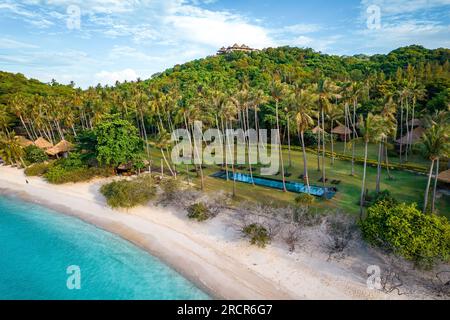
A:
{"points": [[277, 184], [37, 246]]}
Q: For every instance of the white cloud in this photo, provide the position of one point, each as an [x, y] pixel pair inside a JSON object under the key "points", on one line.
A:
{"points": [[6, 43], [393, 7], [301, 28], [110, 77]]}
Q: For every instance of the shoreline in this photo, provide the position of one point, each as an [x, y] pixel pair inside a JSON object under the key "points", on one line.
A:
{"points": [[210, 254]]}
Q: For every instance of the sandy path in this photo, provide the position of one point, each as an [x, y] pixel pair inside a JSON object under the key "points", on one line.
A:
{"points": [[210, 254]]}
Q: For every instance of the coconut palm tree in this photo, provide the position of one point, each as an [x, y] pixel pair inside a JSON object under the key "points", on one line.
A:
{"points": [[355, 91], [278, 91], [370, 130], [10, 149], [388, 114], [304, 104], [325, 91], [435, 145]]}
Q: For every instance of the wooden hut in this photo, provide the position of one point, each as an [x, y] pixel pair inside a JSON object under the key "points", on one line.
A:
{"points": [[60, 149], [24, 142], [342, 131], [415, 136], [43, 144], [444, 176], [415, 123], [316, 129]]}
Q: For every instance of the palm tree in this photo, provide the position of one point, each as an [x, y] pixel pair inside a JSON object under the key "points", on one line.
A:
{"points": [[325, 91], [388, 114], [278, 91], [355, 90], [435, 145], [370, 129], [10, 149], [304, 103]]}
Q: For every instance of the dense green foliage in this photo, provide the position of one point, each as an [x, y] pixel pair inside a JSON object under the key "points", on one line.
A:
{"points": [[34, 155], [117, 141], [198, 211], [73, 169], [257, 234], [407, 231], [129, 193]]}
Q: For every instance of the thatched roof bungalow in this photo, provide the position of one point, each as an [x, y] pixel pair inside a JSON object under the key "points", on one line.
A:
{"points": [[63, 147], [24, 142], [43, 144], [316, 129], [342, 131], [415, 123], [415, 136], [444, 176]]}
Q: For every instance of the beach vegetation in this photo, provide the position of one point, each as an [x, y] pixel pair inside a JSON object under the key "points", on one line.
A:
{"points": [[34, 154], [37, 169], [129, 193], [198, 211], [405, 230], [257, 234]]}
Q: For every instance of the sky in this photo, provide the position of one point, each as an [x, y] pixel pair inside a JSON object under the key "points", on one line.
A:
{"points": [[101, 41]]}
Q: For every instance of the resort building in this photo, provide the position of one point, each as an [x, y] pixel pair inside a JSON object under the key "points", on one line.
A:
{"points": [[414, 137], [236, 47], [342, 131], [316, 129], [24, 142], [60, 149], [43, 144]]}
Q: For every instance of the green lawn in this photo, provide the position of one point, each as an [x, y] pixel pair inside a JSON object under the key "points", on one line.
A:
{"points": [[406, 186], [414, 158]]}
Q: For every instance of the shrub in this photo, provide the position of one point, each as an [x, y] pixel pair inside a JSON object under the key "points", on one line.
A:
{"points": [[129, 193], [198, 211], [340, 229], [258, 234], [37, 169], [34, 154], [58, 174], [304, 199], [170, 189], [403, 228], [385, 196]]}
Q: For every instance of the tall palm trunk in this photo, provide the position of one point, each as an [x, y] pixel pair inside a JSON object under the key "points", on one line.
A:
{"points": [[226, 151], [279, 145], [346, 126], [363, 187], [354, 136], [332, 143], [427, 190], [401, 131], [318, 142], [386, 159], [249, 148], [433, 200], [305, 166], [407, 131], [233, 169], [289, 142], [380, 149], [202, 183], [323, 149]]}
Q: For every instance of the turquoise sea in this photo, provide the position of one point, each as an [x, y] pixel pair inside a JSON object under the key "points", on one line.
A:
{"points": [[38, 245]]}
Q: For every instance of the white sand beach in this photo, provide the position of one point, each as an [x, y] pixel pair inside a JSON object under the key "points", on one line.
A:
{"points": [[210, 254]]}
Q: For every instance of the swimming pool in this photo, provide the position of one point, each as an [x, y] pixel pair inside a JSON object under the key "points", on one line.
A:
{"points": [[291, 186]]}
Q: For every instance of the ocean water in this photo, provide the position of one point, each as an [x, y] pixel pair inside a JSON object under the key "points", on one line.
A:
{"points": [[38, 245]]}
